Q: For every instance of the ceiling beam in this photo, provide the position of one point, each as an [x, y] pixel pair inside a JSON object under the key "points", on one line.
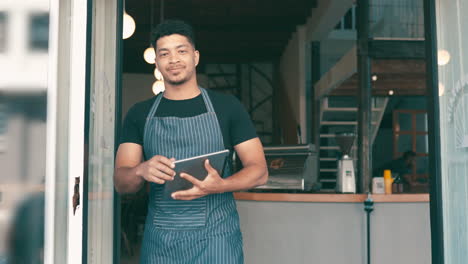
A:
{"points": [[408, 84], [397, 49], [398, 65]]}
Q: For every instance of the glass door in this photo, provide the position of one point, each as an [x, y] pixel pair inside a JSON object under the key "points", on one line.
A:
{"points": [[100, 122], [65, 132], [79, 211], [452, 51]]}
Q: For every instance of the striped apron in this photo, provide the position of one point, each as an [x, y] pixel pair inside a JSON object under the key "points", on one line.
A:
{"points": [[205, 230]]}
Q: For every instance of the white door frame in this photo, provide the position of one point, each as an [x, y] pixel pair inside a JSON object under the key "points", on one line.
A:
{"points": [[65, 130]]}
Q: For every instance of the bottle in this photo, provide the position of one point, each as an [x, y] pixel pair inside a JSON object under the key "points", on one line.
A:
{"points": [[388, 181], [378, 185], [397, 185]]}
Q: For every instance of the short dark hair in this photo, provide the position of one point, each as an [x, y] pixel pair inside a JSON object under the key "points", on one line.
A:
{"points": [[409, 154], [170, 27]]}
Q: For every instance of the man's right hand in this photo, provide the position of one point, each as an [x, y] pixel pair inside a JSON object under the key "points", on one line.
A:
{"points": [[158, 169]]}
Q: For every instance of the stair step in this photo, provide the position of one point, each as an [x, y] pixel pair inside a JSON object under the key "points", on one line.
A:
{"points": [[325, 159], [334, 147], [329, 147], [342, 123], [328, 159], [347, 109], [327, 135], [329, 170], [327, 180], [339, 123]]}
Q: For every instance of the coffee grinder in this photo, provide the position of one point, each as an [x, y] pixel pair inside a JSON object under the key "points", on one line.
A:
{"points": [[345, 179]]}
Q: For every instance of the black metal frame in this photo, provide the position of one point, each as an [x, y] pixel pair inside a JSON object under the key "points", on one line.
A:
{"points": [[368, 207], [364, 98], [84, 199], [118, 123], [437, 235], [315, 77]]}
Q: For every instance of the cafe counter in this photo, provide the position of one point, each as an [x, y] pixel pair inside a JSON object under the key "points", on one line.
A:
{"points": [[331, 198], [326, 228]]}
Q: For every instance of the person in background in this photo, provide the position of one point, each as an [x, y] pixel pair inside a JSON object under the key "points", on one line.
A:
{"points": [[199, 225], [26, 236], [402, 166]]}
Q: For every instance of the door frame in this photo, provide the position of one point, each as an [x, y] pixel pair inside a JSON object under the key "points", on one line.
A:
{"points": [[433, 121], [68, 79]]}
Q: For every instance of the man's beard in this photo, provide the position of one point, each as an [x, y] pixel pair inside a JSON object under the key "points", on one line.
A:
{"points": [[178, 82]]}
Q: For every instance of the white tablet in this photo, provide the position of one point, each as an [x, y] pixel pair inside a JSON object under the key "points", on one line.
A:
{"points": [[194, 166]]}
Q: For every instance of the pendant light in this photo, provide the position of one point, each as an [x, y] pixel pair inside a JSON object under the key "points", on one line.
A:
{"points": [[441, 89], [443, 57], [128, 25], [158, 85], [157, 74], [149, 54]]}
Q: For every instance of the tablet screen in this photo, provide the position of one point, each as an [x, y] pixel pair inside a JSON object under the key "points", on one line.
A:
{"points": [[194, 166]]}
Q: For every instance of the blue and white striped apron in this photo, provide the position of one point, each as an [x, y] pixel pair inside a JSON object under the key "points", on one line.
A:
{"points": [[204, 230]]}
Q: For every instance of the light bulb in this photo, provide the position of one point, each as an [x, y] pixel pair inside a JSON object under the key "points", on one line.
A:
{"points": [[157, 74], [441, 89], [390, 92], [374, 77], [128, 26], [158, 87], [149, 55], [443, 57]]}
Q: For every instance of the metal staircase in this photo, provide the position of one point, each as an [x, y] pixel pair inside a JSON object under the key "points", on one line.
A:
{"points": [[252, 85], [339, 114]]}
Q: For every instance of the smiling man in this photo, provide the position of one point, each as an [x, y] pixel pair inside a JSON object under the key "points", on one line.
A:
{"points": [[199, 225]]}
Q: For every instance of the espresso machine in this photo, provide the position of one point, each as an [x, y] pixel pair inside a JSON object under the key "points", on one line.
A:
{"points": [[345, 178]]}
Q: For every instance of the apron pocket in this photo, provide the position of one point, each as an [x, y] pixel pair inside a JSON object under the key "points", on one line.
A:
{"points": [[174, 214]]}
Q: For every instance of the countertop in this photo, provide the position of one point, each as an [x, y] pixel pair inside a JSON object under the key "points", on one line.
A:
{"points": [[332, 198]]}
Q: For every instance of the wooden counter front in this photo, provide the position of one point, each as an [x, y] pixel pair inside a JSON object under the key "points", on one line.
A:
{"points": [[332, 198]]}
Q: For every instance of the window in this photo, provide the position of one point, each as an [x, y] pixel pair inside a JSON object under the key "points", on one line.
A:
{"points": [[39, 32], [3, 31], [410, 134]]}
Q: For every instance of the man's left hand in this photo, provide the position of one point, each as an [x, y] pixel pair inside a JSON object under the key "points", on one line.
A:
{"points": [[213, 183]]}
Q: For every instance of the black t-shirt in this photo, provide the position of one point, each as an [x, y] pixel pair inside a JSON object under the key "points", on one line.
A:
{"points": [[236, 125]]}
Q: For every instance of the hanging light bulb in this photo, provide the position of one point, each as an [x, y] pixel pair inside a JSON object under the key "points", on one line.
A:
{"points": [[149, 55], [128, 26], [443, 57], [441, 89], [158, 87], [157, 74]]}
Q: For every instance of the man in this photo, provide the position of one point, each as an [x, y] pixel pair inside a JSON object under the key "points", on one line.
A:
{"points": [[199, 225], [402, 166]]}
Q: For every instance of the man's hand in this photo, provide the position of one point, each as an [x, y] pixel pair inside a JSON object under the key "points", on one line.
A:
{"points": [[158, 169], [213, 183]]}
